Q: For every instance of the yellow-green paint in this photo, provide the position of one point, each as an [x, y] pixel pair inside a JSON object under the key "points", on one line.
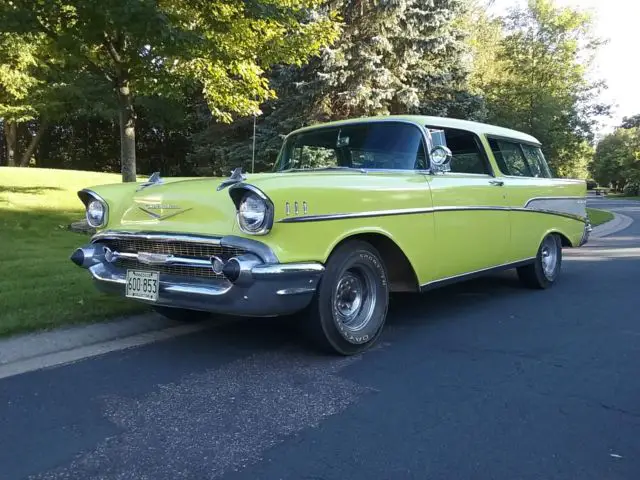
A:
{"points": [[440, 243]]}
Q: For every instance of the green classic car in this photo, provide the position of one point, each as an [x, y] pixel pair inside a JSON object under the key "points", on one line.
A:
{"points": [[353, 211]]}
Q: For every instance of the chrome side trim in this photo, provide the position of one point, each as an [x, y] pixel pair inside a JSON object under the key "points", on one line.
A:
{"points": [[342, 216], [414, 211], [534, 199], [469, 275], [551, 212]]}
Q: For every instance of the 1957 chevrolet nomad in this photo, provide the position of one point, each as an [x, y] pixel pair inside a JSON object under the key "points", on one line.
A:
{"points": [[353, 211]]}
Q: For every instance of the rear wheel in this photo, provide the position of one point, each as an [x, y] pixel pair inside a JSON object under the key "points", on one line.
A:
{"points": [[544, 271], [349, 309], [181, 314]]}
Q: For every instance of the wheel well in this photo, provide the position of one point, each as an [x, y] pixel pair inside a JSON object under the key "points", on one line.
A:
{"points": [[564, 241], [402, 277]]}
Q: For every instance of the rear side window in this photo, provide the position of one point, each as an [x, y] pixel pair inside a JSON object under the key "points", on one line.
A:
{"points": [[467, 153], [537, 163], [510, 158]]}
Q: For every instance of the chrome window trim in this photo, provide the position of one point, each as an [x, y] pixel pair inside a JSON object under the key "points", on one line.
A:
{"points": [[479, 145], [95, 196], [476, 273]]}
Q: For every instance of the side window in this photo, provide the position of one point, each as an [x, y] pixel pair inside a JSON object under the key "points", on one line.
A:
{"points": [[467, 153], [509, 158], [314, 157], [536, 161]]}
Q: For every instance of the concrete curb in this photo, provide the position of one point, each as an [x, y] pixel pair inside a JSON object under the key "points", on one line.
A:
{"points": [[619, 222], [34, 351]]}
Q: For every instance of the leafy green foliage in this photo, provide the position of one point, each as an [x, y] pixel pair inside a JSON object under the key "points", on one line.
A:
{"points": [[160, 48], [407, 56], [538, 81], [616, 162]]}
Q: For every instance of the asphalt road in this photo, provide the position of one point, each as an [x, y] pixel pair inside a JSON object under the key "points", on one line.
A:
{"points": [[483, 380]]}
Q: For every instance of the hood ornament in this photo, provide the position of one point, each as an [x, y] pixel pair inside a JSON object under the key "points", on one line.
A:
{"points": [[154, 179], [236, 177]]}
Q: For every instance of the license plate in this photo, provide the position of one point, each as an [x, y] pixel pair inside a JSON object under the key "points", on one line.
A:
{"points": [[144, 285]]}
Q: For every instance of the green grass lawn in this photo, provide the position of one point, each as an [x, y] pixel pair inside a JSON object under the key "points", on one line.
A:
{"points": [[39, 286], [598, 217]]}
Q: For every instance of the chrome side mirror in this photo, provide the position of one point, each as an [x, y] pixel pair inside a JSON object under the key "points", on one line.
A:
{"points": [[441, 159]]}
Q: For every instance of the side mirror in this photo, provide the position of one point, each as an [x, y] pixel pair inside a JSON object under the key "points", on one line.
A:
{"points": [[440, 158]]}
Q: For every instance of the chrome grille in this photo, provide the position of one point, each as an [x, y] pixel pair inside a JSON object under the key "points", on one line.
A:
{"points": [[179, 270], [178, 248]]}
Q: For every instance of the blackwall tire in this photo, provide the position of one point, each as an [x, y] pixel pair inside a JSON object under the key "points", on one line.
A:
{"points": [[349, 310], [544, 271]]}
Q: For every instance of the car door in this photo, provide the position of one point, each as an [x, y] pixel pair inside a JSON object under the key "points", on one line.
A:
{"points": [[471, 213]]}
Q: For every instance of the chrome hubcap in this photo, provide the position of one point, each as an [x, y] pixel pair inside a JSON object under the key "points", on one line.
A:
{"points": [[549, 255], [354, 298]]}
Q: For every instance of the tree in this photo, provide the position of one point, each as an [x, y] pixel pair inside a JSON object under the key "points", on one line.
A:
{"points": [[141, 47], [541, 84], [616, 162], [18, 63], [406, 56], [631, 122]]}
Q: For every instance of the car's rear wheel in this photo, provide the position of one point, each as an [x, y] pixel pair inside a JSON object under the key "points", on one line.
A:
{"points": [[349, 310], [544, 271], [181, 314]]}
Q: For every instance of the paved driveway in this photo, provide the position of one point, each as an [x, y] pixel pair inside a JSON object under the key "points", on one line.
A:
{"points": [[479, 380]]}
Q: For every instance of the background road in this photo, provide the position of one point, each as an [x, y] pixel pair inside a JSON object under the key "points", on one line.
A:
{"points": [[478, 380]]}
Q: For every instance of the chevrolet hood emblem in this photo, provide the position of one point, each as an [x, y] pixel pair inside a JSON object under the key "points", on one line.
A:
{"points": [[157, 210]]}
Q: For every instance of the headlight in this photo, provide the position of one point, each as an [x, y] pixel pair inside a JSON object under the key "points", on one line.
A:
{"points": [[254, 214], [96, 213]]}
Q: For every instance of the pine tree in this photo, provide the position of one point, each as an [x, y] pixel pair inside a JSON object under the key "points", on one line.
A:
{"points": [[392, 57]]}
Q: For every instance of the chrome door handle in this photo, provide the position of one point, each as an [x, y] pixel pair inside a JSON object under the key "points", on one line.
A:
{"points": [[496, 183]]}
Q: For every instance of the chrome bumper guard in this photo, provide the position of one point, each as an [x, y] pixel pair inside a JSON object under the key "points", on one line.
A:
{"points": [[585, 234], [254, 287]]}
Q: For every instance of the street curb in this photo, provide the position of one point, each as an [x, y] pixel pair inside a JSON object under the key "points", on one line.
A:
{"points": [[619, 222], [34, 351]]}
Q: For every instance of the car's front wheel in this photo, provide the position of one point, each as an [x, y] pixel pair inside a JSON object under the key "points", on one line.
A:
{"points": [[544, 271], [350, 306]]}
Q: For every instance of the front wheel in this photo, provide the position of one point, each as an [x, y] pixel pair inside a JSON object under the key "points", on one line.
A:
{"points": [[544, 271], [349, 309]]}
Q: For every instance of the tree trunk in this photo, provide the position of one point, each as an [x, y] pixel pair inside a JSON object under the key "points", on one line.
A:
{"points": [[33, 144], [11, 135], [127, 132]]}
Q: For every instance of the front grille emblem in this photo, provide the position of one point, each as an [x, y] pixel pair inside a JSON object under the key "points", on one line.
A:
{"points": [[154, 258]]}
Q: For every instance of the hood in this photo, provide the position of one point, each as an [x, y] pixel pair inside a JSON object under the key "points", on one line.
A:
{"points": [[191, 205]]}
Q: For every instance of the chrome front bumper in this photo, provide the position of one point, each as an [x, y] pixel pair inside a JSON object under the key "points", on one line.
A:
{"points": [[262, 288], [585, 234]]}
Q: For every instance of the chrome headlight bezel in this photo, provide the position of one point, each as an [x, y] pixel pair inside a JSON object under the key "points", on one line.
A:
{"points": [[241, 194], [90, 199]]}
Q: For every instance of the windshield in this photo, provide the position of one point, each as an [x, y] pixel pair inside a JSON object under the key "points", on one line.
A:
{"points": [[383, 145]]}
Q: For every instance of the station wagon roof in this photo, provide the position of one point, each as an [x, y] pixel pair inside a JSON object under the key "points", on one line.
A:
{"points": [[443, 122]]}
